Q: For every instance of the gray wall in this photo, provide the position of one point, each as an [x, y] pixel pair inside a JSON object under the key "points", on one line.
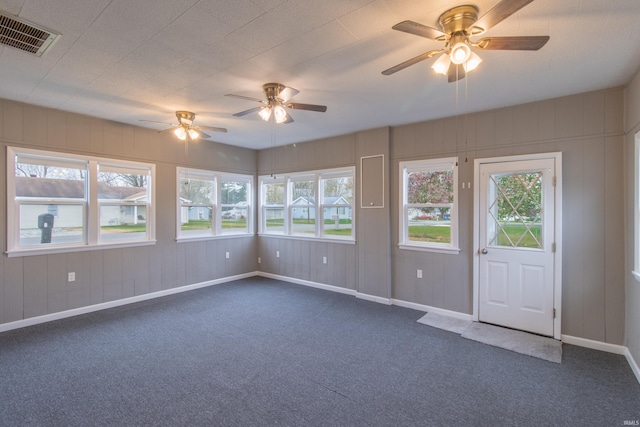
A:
{"points": [[633, 287], [37, 285], [587, 128]]}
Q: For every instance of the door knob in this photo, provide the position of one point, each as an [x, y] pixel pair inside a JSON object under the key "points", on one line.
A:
{"points": [[483, 251]]}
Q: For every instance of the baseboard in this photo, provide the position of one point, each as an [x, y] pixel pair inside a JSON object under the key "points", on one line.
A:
{"points": [[632, 364], [105, 305], [595, 345], [436, 310], [308, 283], [373, 298]]}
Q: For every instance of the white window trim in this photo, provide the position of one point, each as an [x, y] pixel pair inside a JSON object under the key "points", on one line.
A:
{"points": [[317, 176], [433, 165], [636, 209], [217, 178], [91, 214]]}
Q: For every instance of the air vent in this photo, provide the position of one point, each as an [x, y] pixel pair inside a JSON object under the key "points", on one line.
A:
{"points": [[24, 35]]}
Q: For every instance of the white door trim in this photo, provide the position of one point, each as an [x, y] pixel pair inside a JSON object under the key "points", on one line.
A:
{"points": [[557, 297]]}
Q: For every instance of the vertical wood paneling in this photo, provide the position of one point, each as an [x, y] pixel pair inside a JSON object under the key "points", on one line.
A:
{"points": [[593, 239], [79, 292], [56, 283], [34, 125], [594, 113], [35, 286], [113, 265], [97, 276], [56, 129], [614, 241], [12, 128], [129, 267], [78, 136], [569, 116], [13, 289]]}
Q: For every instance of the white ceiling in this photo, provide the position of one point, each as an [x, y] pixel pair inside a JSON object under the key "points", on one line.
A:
{"points": [[127, 60]]}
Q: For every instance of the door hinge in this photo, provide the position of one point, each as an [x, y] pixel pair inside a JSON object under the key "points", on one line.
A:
{"points": [[554, 313], [553, 247], [553, 181]]}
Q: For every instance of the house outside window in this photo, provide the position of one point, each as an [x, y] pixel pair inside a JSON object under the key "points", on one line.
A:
{"points": [[428, 212], [60, 202], [313, 204]]}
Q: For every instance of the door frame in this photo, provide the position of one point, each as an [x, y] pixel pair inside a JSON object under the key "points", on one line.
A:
{"points": [[557, 258]]}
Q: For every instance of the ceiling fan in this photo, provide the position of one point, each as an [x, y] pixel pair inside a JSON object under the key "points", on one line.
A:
{"points": [[456, 27], [185, 127], [276, 103]]}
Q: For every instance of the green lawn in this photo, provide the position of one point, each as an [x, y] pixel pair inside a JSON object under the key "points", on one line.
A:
{"points": [[234, 223], [196, 224], [123, 228], [442, 234]]}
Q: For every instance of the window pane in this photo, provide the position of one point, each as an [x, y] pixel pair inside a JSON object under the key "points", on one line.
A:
{"points": [[337, 221], [337, 190], [114, 186], [196, 220], [38, 226], [123, 222], [274, 219], [303, 193], [515, 211], [234, 220], [429, 225], [303, 220], [430, 187], [50, 181], [196, 191], [234, 192], [274, 193]]}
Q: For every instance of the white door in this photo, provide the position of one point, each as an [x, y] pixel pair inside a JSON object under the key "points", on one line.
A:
{"points": [[516, 238]]}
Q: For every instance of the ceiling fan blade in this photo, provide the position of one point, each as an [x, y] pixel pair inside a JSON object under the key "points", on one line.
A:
{"points": [[309, 107], [248, 98], [202, 134], [169, 130], [287, 93], [249, 111], [512, 43], [455, 73], [410, 62], [215, 129], [499, 13], [153, 121], [288, 119], [419, 30]]}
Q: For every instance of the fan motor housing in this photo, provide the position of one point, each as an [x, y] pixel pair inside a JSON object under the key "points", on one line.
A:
{"points": [[458, 19]]}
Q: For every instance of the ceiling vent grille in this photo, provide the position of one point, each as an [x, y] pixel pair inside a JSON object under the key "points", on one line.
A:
{"points": [[24, 35]]}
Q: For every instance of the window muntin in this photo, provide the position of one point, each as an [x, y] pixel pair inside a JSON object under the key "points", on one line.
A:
{"points": [[50, 203], [315, 204], [428, 218], [212, 203]]}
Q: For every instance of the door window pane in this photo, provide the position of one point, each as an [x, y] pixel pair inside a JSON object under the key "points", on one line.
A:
{"points": [[515, 210]]}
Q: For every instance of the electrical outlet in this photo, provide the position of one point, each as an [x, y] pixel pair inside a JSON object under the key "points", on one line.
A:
{"points": [[277, 254], [226, 255], [71, 276], [259, 260], [419, 274], [324, 259]]}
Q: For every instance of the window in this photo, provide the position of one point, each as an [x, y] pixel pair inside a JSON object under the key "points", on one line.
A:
{"points": [[211, 203], [315, 204], [428, 216], [59, 202]]}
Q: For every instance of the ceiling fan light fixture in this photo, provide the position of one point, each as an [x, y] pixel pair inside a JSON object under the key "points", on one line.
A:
{"points": [[280, 114], [180, 133], [472, 63], [460, 53], [442, 64], [193, 134], [265, 114]]}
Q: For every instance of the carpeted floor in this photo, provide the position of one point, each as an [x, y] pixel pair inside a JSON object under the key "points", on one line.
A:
{"points": [[259, 352]]}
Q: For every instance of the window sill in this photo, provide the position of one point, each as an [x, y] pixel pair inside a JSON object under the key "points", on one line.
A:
{"points": [[81, 248], [636, 275], [309, 239], [217, 237], [453, 251]]}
